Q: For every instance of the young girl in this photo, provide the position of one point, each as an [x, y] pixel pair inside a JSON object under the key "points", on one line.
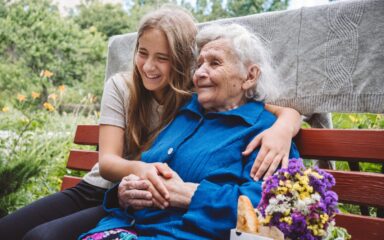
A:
{"points": [[131, 117]]}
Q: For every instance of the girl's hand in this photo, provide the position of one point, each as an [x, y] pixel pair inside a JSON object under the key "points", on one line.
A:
{"points": [[275, 142], [153, 173], [275, 146], [180, 192]]}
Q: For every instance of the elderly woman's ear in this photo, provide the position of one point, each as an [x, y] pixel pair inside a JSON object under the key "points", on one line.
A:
{"points": [[253, 73]]}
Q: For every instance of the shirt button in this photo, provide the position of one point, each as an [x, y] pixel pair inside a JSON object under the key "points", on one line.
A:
{"points": [[170, 151]]}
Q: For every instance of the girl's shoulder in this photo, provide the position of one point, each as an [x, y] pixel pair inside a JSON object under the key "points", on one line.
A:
{"points": [[118, 83]]}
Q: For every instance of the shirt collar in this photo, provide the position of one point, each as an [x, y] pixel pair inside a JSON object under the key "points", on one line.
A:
{"points": [[249, 112]]}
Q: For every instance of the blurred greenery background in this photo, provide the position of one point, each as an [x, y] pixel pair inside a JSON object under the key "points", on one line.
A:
{"points": [[51, 79]]}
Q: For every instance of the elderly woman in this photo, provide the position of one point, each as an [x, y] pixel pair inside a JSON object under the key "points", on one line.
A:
{"points": [[202, 146]]}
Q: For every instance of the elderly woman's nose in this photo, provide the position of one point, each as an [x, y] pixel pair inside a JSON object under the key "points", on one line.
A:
{"points": [[201, 72]]}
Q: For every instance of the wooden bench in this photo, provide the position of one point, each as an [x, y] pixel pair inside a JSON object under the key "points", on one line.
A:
{"points": [[341, 145]]}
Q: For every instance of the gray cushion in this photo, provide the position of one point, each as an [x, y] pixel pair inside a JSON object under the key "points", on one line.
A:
{"points": [[330, 58]]}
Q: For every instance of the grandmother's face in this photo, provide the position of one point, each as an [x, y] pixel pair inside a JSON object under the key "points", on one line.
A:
{"points": [[219, 77]]}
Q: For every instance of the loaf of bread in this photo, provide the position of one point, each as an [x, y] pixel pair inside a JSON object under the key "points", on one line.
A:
{"points": [[247, 220]]}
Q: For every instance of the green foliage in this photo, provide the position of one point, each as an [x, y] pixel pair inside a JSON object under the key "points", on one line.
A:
{"points": [[109, 19], [359, 121], [13, 175], [208, 10], [34, 146], [34, 37]]}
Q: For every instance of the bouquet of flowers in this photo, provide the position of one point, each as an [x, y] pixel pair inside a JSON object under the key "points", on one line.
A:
{"points": [[299, 202]]}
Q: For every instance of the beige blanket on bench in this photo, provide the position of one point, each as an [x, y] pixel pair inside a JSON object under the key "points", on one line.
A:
{"points": [[330, 58]]}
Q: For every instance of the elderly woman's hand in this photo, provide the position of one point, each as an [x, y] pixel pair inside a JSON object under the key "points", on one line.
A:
{"points": [[152, 174], [133, 192]]}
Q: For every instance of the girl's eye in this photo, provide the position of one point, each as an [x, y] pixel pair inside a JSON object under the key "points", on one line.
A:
{"points": [[163, 59], [142, 53]]}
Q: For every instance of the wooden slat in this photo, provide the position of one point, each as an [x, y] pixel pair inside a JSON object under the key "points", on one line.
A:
{"points": [[87, 135], [335, 144], [359, 187], [69, 181], [82, 159], [361, 227]]}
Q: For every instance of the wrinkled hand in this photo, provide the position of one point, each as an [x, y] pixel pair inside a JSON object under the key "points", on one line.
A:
{"points": [[154, 172], [275, 146], [133, 192], [138, 193]]}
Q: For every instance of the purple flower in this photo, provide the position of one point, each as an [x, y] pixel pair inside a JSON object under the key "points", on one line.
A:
{"points": [[271, 183], [317, 184], [295, 166], [302, 216], [285, 228], [330, 201], [299, 224], [328, 179]]}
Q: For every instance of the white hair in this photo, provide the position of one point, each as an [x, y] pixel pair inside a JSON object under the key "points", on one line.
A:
{"points": [[250, 50]]}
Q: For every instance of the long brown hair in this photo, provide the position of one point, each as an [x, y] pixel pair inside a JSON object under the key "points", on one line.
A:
{"points": [[180, 29]]}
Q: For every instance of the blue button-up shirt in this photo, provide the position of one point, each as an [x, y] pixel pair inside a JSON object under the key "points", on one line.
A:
{"points": [[203, 148]]}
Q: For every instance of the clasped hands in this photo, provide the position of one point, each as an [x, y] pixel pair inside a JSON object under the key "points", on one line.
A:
{"points": [[154, 185], [157, 185]]}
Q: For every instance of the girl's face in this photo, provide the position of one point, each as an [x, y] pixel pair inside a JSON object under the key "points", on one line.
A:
{"points": [[153, 61]]}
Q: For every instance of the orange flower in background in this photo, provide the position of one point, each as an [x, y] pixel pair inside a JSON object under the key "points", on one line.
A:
{"points": [[52, 96], [49, 106], [21, 97], [5, 109], [35, 95], [61, 88], [46, 73]]}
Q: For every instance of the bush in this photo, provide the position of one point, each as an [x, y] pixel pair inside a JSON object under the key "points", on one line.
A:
{"points": [[33, 37], [109, 19], [35, 140]]}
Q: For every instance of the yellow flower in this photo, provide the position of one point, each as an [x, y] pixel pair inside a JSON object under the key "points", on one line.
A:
{"points": [[267, 219], [35, 95], [313, 173], [46, 73], [21, 97], [304, 195], [52, 96], [61, 88], [324, 218], [93, 29], [5, 109], [353, 119], [286, 219], [49, 106], [282, 190]]}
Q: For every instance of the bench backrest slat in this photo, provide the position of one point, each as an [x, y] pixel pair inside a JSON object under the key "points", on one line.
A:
{"points": [[361, 227], [82, 159], [69, 181], [87, 135], [368, 191], [353, 145]]}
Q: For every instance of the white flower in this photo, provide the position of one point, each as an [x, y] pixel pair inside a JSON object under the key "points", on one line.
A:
{"points": [[278, 204], [316, 197]]}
